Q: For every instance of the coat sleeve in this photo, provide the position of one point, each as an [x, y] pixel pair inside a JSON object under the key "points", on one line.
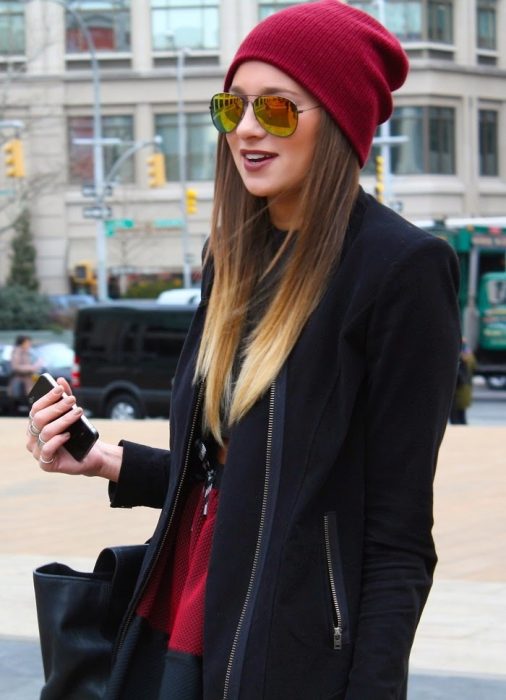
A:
{"points": [[413, 343], [144, 477]]}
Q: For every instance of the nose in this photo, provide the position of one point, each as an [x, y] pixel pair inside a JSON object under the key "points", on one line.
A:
{"points": [[249, 127]]}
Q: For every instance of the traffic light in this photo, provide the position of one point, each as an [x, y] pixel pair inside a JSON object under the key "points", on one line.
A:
{"points": [[156, 170], [14, 161], [379, 188], [191, 201]]}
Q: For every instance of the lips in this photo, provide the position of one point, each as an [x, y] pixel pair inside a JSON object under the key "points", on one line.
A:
{"points": [[254, 160]]}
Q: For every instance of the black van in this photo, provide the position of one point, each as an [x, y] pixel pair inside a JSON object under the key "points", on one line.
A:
{"points": [[125, 357]]}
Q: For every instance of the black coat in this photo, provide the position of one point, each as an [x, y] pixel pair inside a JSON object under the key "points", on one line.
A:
{"points": [[322, 556]]}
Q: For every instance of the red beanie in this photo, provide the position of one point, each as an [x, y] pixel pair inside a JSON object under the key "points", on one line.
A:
{"points": [[341, 55]]}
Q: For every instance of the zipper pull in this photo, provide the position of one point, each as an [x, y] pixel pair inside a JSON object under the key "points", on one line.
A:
{"points": [[338, 638], [210, 474]]}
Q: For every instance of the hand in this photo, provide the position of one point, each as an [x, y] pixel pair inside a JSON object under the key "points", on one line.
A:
{"points": [[49, 421]]}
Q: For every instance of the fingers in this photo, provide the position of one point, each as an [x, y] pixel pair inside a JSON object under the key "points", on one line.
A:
{"points": [[66, 386], [47, 400], [48, 425], [46, 451]]}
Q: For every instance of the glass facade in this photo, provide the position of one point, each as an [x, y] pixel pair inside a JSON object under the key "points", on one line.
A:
{"points": [[80, 161], [189, 24], [431, 141], [269, 8], [12, 27], [200, 145], [488, 140], [415, 20], [486, 25], [108, 22]]}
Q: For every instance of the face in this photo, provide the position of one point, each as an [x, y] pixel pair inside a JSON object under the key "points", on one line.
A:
{"points": [[272, 166]]}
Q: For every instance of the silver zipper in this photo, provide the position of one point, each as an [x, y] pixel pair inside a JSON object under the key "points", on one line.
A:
{"points": [[147, 576], [338, 628], [268, 455]]}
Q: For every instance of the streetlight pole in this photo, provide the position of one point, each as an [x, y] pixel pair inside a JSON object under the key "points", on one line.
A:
{"points": [[98, 154], [181, 121], [385, 128]]}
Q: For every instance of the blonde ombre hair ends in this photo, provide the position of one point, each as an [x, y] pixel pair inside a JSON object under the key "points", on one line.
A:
{"points": [[239, 232]]}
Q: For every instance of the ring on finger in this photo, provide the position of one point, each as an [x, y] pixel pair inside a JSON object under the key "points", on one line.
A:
{"points": [[41, 442], [45, 461], [32, 428]]}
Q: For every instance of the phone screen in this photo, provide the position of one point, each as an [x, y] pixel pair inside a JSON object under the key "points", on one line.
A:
{"points": [[83, 434]]}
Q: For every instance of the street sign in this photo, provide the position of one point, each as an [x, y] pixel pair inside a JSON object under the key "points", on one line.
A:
{"points": [[97, 212], [89, 190], [168, 223], [112, 225]]}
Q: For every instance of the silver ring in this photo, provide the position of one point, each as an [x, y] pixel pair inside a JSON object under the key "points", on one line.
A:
{"points": [[33, 429], [46, 461], [41, 442]]}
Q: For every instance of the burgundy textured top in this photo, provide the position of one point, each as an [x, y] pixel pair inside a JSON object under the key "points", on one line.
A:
{"points": [[174, 599]]}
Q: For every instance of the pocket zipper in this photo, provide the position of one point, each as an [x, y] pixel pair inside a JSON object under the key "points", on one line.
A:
{"points": [[337, 628]]}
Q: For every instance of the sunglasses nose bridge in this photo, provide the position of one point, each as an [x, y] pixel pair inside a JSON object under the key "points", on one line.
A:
{"points": [[249, 119]]}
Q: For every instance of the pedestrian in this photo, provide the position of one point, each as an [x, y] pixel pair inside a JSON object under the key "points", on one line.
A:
{"points": [[293, 555], [23, 369], [463, 396]]}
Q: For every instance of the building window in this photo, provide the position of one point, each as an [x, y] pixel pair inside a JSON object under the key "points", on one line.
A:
{"points": [[12, 27], [489, 147], [440, 21], [200, 145], [415, 20], [269, 8], [178, 24], [81, 157], [431, 140], [108, 22], [486, 25]]}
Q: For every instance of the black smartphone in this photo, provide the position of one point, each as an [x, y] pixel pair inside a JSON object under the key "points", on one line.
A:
{"points": [[83, 434]]}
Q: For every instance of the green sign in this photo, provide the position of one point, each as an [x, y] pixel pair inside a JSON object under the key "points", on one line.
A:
{"points": [[168, 223], [112, 225]]}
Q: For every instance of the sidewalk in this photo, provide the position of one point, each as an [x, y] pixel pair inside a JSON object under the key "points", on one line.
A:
{"points": [[460, 649]]}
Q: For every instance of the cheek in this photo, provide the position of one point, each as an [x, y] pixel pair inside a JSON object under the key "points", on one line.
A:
{"points": [[304, 154], [233, 147]]}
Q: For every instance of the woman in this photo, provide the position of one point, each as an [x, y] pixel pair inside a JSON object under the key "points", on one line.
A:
{"points": [[310, 398], [23, 367]]}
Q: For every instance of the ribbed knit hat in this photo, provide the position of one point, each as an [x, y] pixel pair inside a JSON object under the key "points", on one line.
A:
{"points": [[341, 55]]}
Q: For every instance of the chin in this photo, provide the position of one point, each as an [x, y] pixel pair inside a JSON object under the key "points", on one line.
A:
{"points": [[258, 189]]}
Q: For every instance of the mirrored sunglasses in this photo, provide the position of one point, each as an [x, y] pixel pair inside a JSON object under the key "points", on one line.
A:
{"points": [[276, 115]]}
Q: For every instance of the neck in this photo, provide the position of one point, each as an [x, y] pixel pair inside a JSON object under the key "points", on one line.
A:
{"points": [[282, 212]]}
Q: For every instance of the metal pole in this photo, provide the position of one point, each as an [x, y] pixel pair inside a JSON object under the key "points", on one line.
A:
{"points": [[181, 121], [98, 156], [385, 147]]}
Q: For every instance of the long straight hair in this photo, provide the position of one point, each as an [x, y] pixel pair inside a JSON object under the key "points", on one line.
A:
{"points": [[238, 247]]}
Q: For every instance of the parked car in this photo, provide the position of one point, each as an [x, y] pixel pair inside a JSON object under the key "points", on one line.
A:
{"points": [[126, 355], [57, 359], [5, 373], [180, 296], [64, 307]]}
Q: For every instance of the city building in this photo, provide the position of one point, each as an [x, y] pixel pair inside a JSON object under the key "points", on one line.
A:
{"points": [[151, 55]]}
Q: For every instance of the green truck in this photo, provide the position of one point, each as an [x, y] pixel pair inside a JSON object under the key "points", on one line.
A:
{"points": [[482, 254]]}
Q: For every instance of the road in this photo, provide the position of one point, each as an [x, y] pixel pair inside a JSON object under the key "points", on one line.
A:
{"points": [[489, 406]]}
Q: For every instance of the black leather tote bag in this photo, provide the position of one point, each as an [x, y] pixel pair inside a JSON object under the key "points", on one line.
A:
{"points": [[79, 615]]}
